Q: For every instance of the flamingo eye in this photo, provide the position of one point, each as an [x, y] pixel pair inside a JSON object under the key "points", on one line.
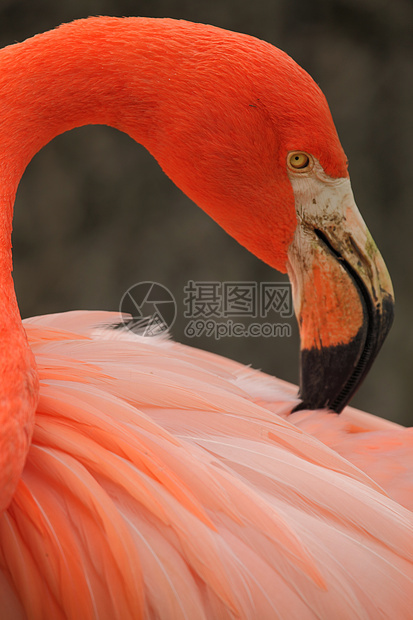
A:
{"points": [[299, 161]]}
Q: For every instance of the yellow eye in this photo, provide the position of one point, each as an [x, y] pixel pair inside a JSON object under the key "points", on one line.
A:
{"points": [[299, 161]]}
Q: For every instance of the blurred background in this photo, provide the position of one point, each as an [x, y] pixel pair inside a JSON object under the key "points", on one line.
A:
{"points": [[95, 214]]}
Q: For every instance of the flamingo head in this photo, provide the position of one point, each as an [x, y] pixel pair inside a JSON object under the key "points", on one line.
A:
{"points": [[248, 135]]}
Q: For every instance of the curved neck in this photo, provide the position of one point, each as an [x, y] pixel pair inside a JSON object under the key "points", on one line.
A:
{"points": [[97, 71], [84, 73]]}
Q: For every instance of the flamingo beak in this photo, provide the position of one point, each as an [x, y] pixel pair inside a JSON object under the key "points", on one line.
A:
{"points": [[343, 296]]}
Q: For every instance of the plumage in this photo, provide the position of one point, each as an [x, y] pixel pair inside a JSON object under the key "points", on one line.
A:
{"points": [[199, 499], [153, 480]]}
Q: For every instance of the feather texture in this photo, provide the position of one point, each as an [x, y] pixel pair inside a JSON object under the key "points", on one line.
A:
{"points": [[195, 499]]}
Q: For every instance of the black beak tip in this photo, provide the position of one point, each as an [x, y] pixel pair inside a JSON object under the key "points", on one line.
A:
{"points": [[330, 376]]}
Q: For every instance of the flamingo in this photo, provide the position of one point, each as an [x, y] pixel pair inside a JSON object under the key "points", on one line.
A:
{"points": [[144, 479]]}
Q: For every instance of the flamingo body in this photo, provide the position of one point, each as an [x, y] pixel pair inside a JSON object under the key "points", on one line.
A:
{"points": [[143, 479], [193, 501]]}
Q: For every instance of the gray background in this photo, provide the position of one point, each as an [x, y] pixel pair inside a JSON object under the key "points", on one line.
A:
{"points": [[95, 214]]}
